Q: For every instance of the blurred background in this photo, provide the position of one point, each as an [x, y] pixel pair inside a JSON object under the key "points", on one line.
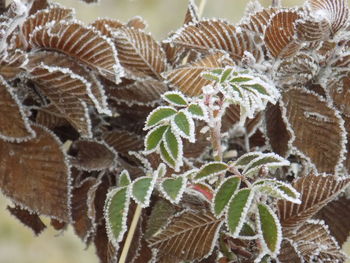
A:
{"points": [[17, 243]]}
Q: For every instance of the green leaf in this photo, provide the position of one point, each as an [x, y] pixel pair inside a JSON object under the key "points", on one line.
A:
{"points": [[158, 115], [142, 189], [175, 97], [124, 178], [247, 231], [172, 143], [238, 209], [270, 228], [116, 211], [161, 171], [224, 193], [210, 169], [154, 137], [197, 111], [226, 73], [183, 125], [270, 160], [242, 161], [277, 189], [173, 188], [166, 157]]}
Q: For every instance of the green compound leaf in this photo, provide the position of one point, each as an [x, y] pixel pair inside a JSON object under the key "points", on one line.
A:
{"points": [[142, 189], [197, 111], [154, 137], [116, 211], [183, 125], [269, 160], [173, 188], [159, 115], [124, 179], [173, 144], [166, 157], [238, 209], [176, 98], [209, 170], [224, 194], [269, 228]]}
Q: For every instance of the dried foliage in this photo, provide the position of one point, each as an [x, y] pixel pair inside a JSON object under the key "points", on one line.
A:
{"points": [[222, 143]]}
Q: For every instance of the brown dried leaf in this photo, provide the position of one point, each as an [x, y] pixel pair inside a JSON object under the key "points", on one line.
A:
{"points": [[137, 22], [347, 128], [309, 115], [192, 13], [339, 91], [35, 174], [336, 215], [276, 130], [123, 141], [279, 34], [106, 26], [314, 242], [92, 155], [312, 28], [258, 21], [12, 64], [218, 35], [50, 117], [68, 92], [289, 253], [38, 5], [139, 52], [197, 232], [316, 191], [31, 220], [85, 44], [188, 78]]}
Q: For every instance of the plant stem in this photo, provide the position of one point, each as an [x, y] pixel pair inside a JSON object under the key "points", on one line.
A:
{"points": [[131, 233], [201, 8], [215, 134]]}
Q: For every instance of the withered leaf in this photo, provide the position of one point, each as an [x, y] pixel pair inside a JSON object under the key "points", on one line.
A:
{"points": [[35, 174], [258, 21], [336, 215], [316, 191], [12, 64], [31, 220], [85, 44], [92, 155], [192, 13], [289, 253], [123, 141], [14, 125], [50, 117], [137, 22], [318, 128], [279, 34], [106, 25], [139, 52], [196, 230], [188, 78], [339, 91]]}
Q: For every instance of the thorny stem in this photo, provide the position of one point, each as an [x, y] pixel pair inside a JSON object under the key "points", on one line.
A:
{"points": [[131, 233]]}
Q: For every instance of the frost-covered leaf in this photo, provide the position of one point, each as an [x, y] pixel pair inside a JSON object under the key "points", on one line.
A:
{"points": [[68, 92], [336, 215], [138, 51], [279, 34], [31, 220], [173, 145], [46, 188], [277, 189], [123, 141], [210, 169], [217, 35], [142, 189], [309, 114], [124, 179], [338, 90], [259, 20], [116, 211], [166, 156], [270, 229], [315, 244], [50, 117], [197, 230], [316, 192], [106, 25], [187, 78], [14, 125], [197, 111], [154, 138], [238, 209], [269, 160], [92, 155], [192, 13], [85, 44], [289, 253], [159, 115], [183, 124], [242, 161], [224, 194], [173, 188], [175, 98], [12, 64]]}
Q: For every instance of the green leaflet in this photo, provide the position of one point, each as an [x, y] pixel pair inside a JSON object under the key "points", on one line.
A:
{"points": [[247, 231], [116, 211], [242, 161], [224, 194], [158, 115], [142, 189], [124, 178], [173, 188], [210, 169], [164, 154], [266, 159], [197, 111], [269, 227], [184, 125], [172, 144], [175, 98], [154, 137], [277, 189], [237, 211]]}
